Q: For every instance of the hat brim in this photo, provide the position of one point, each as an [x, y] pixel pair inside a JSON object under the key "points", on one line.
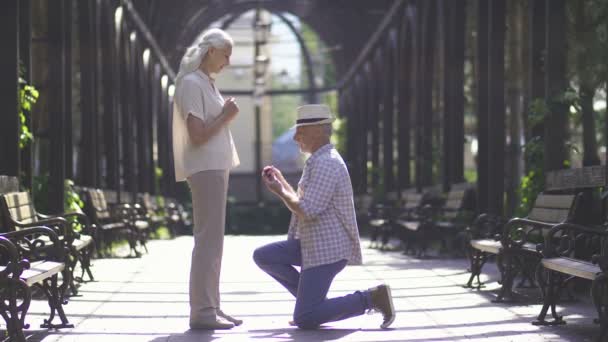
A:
{"points": [[325, 121]]}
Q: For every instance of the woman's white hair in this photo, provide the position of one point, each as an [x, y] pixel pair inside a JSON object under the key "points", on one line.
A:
{"points": [[194, 54]]}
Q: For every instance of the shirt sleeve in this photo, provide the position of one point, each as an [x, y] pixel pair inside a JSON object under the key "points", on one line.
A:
{"points": [[319, 189], [191, 100]]}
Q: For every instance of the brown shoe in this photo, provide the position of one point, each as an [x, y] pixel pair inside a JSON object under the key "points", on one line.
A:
{"points": [[383, 301], [215, 323], [229, 318]]}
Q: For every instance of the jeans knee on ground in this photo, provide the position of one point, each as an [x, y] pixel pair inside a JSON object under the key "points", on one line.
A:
{"points": [[305, 321], [258, 256]]}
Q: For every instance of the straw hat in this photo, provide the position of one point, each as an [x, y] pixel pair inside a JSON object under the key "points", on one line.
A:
{"points": [[314, 114]]}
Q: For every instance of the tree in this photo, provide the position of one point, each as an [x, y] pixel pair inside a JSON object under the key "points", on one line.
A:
{"points": [[588, 54]]}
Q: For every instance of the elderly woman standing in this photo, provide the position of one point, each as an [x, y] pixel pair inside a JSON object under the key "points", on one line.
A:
{"points": [[204, 153]]}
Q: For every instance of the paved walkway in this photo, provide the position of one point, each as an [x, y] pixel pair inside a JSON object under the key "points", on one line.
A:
{"points": [[147, 300]]}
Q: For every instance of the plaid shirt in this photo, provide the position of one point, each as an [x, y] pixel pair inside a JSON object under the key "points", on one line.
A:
{"points": [[328, 231]]}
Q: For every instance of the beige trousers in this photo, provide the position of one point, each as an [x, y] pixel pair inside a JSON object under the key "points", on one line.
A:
{"points": [[209, 193]]}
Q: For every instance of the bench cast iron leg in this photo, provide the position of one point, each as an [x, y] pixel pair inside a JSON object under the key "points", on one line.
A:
{"points": [[550, 288], [507, 273], [477, 259], [14, 313], [599, 294], [71, 262], [387, 231], [54, 296], [85, 262]]}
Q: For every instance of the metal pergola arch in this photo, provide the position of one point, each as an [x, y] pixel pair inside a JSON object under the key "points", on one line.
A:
{"points": [[194, 16], [312, 89], [376, 95]]}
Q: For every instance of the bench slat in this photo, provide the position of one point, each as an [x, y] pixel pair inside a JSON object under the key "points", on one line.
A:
{"points": [[377, 222], [411, 225], [82, 242], [554, 201], [579, 268], [20, 207], [549, 215], [487, 245], [412, 199], [41, 270]]}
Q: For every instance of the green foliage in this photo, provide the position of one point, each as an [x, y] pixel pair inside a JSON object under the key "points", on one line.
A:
{"points": [[339, 137], [600, 126], [588, 40], [28, 95], [570, 97], [533, 182], [40, 191], [470, 175], [73, 203], [531, 185], [160, 202], [283, 113], [160, 233], [158, 175], [538, 112]]}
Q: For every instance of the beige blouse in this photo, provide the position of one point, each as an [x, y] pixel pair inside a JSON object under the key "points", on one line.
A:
{"points": [[196, 95]]}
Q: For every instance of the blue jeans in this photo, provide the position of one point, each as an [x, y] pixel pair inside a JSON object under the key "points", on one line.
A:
{"points": [[310, 286]]}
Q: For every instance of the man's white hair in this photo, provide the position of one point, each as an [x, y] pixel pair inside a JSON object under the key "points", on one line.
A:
{"points": [[194, 54]]}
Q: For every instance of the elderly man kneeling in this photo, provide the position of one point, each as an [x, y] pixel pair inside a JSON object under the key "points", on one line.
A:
{"points": [[323, 236]]}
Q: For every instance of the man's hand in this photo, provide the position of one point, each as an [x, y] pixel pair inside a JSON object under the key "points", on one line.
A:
{"points": [[278, 186], [230, 109], [278, 174], [271, 181]]}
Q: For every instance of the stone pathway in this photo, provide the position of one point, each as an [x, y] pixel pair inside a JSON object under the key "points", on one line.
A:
{"points": [[147, 300]]}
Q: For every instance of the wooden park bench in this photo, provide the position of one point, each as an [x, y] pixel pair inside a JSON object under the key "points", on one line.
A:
{"points": [[32, 257], [577, 251], [411, 215], [517, 248], [112, 222], [424, 221], [136, 215], [179, 219], [154, 213], [74, 229], [379, 219], [572, 251], [450, 220], [483, 241]]}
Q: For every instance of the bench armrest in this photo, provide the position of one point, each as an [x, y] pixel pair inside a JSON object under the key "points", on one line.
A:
{"points": [[487, 226], [513, 234], [58, 224], [37, 243], [14, 264], [561, 240]]}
